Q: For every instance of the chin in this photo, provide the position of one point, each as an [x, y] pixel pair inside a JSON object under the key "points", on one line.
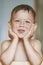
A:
{"points": [[20, 36]]}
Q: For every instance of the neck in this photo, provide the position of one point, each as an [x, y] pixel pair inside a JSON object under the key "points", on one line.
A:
{"points": [[21, 40]]}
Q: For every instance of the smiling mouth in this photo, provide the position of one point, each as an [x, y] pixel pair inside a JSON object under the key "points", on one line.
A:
{"points": [[21, 31]]}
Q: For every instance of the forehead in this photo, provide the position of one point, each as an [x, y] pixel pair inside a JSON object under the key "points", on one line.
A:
{"points": [[22, 14]]}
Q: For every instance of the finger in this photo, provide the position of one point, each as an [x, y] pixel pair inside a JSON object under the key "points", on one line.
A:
{"points": [[9, 29], [31, 30], [10, 32]]}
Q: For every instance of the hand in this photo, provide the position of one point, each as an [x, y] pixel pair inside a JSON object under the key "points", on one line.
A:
{"points": [[0, 63], [32, 32], [11, 34]]}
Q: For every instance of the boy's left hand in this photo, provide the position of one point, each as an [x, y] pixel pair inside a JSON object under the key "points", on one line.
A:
{"points": [[32, 32]]}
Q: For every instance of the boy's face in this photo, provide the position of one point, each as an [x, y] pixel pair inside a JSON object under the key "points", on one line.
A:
{"points": [[22, 22]]}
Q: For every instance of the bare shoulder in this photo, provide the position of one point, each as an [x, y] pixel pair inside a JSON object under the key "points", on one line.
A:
{"points": [[36, 43], [37, 46], [5, 44]]}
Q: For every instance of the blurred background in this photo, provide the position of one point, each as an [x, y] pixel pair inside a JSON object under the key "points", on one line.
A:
{"points": [[39, 11], [6, 7]]}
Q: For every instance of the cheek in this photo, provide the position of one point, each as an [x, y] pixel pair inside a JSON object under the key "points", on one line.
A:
{"points": [[28, 27], [14, 26]]}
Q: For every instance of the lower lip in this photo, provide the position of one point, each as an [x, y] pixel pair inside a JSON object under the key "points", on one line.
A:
{"points": [[21, 31]]}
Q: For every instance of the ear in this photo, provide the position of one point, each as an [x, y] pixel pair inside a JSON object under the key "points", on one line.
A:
{"points": [[35, 27], [9, 24]]}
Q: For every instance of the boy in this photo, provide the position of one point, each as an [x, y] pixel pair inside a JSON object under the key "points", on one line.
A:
{"points": [[22, 47]]}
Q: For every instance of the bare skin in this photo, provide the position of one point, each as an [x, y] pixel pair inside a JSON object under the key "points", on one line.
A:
{"points": [[0, 63], [24, 49], [20, 54]]}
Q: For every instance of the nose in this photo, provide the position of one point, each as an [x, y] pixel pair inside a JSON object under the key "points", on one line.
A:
{"points": [[21, 23]]}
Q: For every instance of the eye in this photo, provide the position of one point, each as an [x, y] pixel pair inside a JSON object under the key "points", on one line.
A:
{"points": [[27, 21], [17, 21]]}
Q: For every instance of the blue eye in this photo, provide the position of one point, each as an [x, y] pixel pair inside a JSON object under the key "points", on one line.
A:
{"points": [[17, 21], [27, 21]]}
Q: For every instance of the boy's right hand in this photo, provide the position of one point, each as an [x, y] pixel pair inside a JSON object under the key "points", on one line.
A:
{"points": [[11, 34]]}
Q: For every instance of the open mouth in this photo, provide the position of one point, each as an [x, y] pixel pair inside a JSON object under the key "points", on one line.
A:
{"points": [[21, 31]]}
